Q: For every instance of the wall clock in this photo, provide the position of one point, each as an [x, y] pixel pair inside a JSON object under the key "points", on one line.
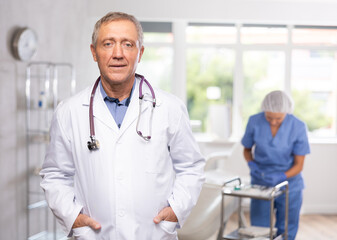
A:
{"points": [[24, 44]]}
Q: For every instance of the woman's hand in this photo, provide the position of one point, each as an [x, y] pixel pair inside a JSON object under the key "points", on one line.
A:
{"points": [[272, 179], [253, 166], [255, 170]]}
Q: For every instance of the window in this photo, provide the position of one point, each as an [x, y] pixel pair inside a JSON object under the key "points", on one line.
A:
{"points": [[209, 89], [264, 34], [314, 78], [157, 61], [315, 36], [156, 66], [230, 68], [314, 88], [263, 72], [263, 64], [211, 33], [210, 79]]}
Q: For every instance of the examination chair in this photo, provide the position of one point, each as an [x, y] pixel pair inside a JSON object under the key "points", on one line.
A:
{"points": [[204, 220]]}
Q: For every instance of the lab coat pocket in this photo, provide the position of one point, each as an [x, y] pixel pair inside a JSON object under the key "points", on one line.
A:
{"points": [[84, 233], [166, 231], [157, 158], [169, 227]]}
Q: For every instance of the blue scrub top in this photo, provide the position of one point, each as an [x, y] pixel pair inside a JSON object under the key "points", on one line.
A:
{"points": [[276, 154]]}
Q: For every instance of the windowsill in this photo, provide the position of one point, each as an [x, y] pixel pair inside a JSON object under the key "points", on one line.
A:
{"points": [[317, 140], [207, 138]]}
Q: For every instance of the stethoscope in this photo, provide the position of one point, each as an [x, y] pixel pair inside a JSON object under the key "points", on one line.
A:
{"points": [[93, 144]]}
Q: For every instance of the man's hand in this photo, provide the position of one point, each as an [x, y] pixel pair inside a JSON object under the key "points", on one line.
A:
{"points": [[166, 214], [83, 220]]}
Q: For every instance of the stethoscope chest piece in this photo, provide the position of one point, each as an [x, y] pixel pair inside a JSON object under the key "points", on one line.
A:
{"points": [[93, 144]]}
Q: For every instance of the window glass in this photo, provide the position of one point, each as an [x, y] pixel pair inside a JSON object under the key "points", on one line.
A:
{"points": [[264, 34], [156, 66], [211, 34], [315, 36], [314, 87], [157, 32], [210, 67], [157, 61], [264, 71], [153, 37], [210, 89]]}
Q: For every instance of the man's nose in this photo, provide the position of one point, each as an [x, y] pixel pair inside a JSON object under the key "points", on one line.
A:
{"points": [[117, 51]]}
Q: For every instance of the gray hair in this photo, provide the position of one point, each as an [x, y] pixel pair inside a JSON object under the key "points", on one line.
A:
{"points": [[277, 101], [114, 16]]}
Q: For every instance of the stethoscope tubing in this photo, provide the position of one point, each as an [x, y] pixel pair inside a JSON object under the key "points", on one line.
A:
{"points": [[141, 90], [93, 144], [91, 112]]}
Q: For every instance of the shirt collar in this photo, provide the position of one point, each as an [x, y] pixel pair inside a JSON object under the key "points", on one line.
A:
{"points": [[125, 102]]}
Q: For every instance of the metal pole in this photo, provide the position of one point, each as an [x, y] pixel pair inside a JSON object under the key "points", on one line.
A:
{"points": [[286, 213], [271, 217], [28, 73], [221, 215], [239, 213]]}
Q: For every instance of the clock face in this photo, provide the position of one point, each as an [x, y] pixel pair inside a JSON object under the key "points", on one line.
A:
{"points": [[25, 44]]}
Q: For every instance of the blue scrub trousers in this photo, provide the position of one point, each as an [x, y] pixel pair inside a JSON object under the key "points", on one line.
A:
{"points": [[260, 213]]}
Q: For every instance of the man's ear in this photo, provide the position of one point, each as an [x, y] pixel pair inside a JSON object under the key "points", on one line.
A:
{"points": [[141, 53], [93, 51]]}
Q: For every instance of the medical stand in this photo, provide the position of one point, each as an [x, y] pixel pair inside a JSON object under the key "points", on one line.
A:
{"points": [[257, 192], [43, 83]]}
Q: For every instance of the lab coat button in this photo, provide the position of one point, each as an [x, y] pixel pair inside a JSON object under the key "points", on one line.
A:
{"points": [[121, 213]]}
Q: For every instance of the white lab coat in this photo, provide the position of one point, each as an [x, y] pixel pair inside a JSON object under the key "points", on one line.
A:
{"points": [[125, 183]]}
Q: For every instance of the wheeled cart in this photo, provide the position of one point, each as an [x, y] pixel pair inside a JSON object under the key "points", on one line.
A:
{"points": [[257, 192]]}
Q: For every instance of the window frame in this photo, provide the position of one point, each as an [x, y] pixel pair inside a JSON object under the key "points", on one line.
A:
{"points": [[180, 46]]}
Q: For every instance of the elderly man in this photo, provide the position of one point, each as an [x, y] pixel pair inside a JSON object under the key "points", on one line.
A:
{"points": [[141, 172]]}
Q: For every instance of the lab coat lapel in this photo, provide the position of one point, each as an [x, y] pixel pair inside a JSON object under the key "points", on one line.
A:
{"points": [[133, 109], [101, 111]]}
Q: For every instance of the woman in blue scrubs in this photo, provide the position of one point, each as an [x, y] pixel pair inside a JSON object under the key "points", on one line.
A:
{"points": [[275, 144]]}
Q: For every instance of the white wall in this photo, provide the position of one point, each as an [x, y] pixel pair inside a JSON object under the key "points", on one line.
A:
{"points": [[257, 11], [64, 31], [320, 178], [63, 37]]}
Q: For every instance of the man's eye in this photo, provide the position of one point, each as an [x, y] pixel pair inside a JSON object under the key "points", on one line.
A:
{"points": [[127, 44], [107, 44]]}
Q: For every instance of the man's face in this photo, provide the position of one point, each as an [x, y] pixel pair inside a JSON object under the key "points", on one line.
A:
{"points": [[117, 52]]}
